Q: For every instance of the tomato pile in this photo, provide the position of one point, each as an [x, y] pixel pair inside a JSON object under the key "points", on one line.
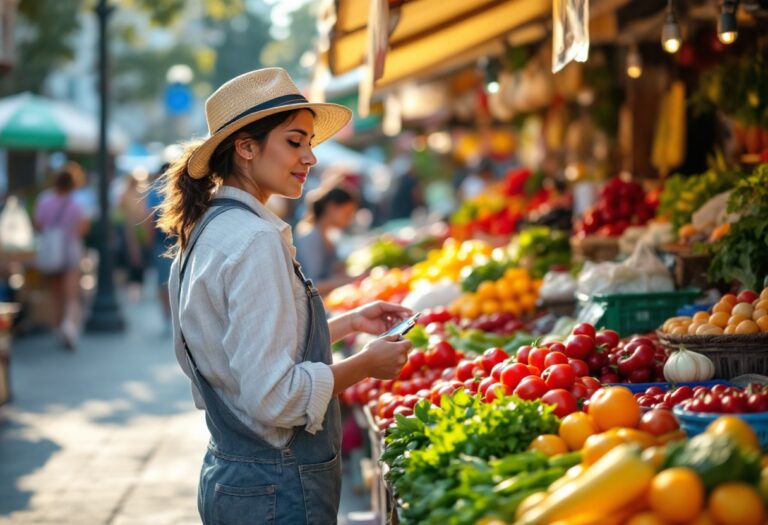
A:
{"points": [[621, 204], [718, 399]]}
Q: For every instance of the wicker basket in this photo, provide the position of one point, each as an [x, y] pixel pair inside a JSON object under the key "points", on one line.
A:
{"points": [[733, 355]]}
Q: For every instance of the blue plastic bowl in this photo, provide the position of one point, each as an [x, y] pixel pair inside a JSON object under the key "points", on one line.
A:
{"points": [[694, 423]]}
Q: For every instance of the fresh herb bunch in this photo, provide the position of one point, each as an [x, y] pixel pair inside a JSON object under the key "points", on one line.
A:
{"points": [[465, 459], [742, 254], [539, 248]]}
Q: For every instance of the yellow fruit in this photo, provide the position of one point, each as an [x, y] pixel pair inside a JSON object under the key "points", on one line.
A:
{"points": [[744, 309], [632, 435], [470, 309], [504, 290], [549, 444], [736, 503], [737, 429], [729, 330], [709, 329], [486, 290], [597, 445], [719, 319], [677, 494], [575, 428], [758, 313], [747, 326], [735, 319], [722, 307], [701, 317], [530, 502], [490, 306], [762, 323]]}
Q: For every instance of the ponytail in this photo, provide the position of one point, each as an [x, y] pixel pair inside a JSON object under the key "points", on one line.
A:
{"points": [[185, 199]]}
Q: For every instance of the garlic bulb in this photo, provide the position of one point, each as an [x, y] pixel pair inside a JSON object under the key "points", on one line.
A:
{"points": [[684, 365]]}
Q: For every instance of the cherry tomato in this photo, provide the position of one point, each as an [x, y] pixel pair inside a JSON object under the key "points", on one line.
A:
{"points": [[465, 370], [641, 375], [564, 401], [758, 402], [733, 404], [559, 376], [591, 383], [654, 391], [679, 394], [522, 354], [584, 329], [580, 368], [492, 357], [555, 358], [530, 388], [609, 338], [537, 357], [512, 374], [497, 368], [471, 385], [579, 346], [496, 390], [417, 359], [658, 422], [441, 355], [484, 384], [556, 346], [579, 391]]}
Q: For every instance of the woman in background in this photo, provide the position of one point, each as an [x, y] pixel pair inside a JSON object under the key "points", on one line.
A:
{"points": [[330, 209], [57, 208]]}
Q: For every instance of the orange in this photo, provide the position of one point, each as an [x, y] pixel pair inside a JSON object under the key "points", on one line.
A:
{"points": [[722, 307], [735, 319], [504, 290], [764, 294], [614, 406], [758, 313], [528, 302], [719, 319], [762, 304], [470, 309], [728, 298], [737, 429], [677, 494], [703, 519], [701, 317], [597, 445], [549, 444], [486, 290], [645, 518], [575, 428], [730, 329], [512, 307], [762, 323], [736, 503], [747, 327], [490, 306]]}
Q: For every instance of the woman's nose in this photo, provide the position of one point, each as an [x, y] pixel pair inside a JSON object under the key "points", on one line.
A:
{"points": [[309, 158]]}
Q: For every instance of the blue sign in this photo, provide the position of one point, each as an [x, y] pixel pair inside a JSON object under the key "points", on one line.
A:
{"points": [[178, 99]]}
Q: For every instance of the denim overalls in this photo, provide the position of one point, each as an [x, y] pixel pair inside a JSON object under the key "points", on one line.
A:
{"points": [[244, 479]]}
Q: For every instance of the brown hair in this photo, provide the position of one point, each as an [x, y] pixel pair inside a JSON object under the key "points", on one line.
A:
{"points": [[185, 200]]}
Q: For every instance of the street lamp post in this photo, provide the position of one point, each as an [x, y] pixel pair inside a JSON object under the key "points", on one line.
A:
{"points": [[105, 313]]}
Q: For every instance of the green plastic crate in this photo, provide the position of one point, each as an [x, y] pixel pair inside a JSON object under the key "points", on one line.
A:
{"points": [[633, 313]]}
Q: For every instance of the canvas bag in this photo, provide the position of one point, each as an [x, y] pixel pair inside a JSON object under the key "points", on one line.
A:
{"points": [[51, 256]]}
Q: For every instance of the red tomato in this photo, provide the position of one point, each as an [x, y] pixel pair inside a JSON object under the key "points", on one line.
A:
{"points": [[556, 346], [465, 370], [403, 411], [733, 404], [484, 384], [441, 355], [497, 368], [406, 371], [609, 338], [758, 402], [579, 391], [584, 329], [512, 374], [555, 358], [679, 394], [472, 385], [534, 370], [530, 388], [596, 360], [496, 390], [537, 357], [564, 401], [654, 391], [522, 354], [559, 376], [579, 346], [591, 383], [580, 368], [641, 375], [492, 357], [417, 359], [746, 296], [658, 422]]}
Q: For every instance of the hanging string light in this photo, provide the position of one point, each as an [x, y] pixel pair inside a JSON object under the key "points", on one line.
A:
{"points": [[634, 62], [727, 29], [670, 31]]}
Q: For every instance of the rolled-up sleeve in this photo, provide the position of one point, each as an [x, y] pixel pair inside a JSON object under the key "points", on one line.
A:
{"points": [[261, 337]]}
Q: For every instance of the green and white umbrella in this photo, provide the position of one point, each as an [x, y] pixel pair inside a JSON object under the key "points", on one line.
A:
{"points": [[29, 121]]}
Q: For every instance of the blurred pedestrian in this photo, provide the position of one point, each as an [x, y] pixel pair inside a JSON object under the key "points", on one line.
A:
{"points": [[161, 244], [330, 209], [249, 329], [477, 182], [137, 233], [62, 226]]}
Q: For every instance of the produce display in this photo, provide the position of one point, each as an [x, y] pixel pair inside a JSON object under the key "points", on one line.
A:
{"points": [[621, 204], [490, 424], [745, 313]]}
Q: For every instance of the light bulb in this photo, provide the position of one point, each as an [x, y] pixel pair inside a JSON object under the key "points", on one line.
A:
{"points": [[670, 33], [634, 63], [492, 87], [727, 29]]}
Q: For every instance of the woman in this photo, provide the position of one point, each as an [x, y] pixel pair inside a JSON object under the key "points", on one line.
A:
{"points": [[57, 209], [331, 208], [248, 329]]}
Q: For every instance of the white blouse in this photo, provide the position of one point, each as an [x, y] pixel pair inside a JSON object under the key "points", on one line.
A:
{"points": [[245, 317]]}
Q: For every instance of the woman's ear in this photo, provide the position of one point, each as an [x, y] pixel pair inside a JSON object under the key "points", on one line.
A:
{"points": [[245, 147]]}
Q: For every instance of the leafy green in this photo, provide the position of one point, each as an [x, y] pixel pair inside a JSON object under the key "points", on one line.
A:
{"points": [[473, 341], [742, 254], [539, 248], [466, 459], [490, 271]]}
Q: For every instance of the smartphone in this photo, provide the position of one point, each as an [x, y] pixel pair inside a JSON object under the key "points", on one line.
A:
{"points": [[403, 327]]}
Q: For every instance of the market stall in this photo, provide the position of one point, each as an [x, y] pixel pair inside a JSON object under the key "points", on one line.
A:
{"points": [[593, 344]]}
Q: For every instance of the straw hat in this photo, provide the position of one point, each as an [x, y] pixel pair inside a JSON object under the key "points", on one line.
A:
{"points": [[253, 96]]}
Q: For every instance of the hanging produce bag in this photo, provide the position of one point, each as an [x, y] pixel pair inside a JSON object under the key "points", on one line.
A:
{"points": [[570, 32]]}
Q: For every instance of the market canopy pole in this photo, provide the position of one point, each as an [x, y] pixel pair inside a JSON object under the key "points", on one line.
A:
{"points": [[105, 313]]}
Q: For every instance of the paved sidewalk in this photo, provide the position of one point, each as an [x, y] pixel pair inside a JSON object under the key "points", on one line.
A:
{"points": [[105, 435]]}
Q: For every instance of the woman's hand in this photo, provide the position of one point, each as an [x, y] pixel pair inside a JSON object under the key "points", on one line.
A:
{"points": [[386, 356], [378, 317]]}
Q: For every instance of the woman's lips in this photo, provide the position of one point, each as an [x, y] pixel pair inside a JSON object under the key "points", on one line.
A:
{"points": [[302, 176]]}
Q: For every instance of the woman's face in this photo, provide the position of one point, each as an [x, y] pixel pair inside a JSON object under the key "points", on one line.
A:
{"points": [[341, 215], [280, 166]]}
